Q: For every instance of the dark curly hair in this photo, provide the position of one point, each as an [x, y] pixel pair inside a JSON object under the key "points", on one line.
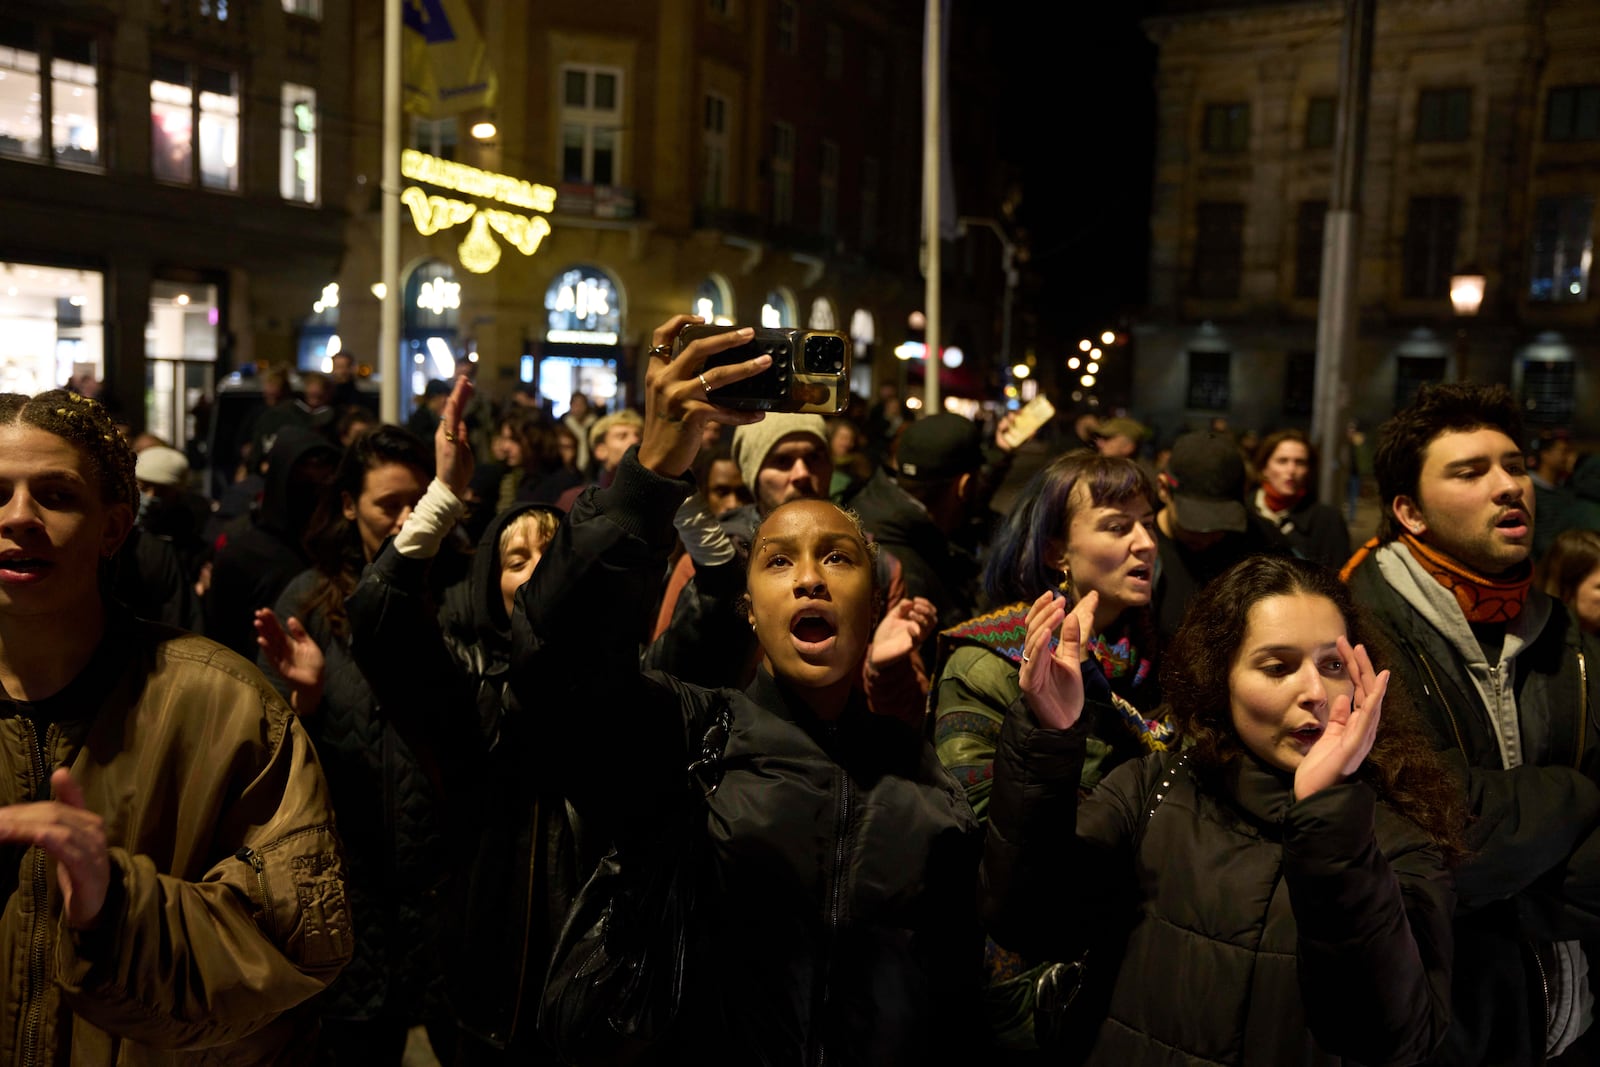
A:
{"points": [[1401, 768], [1449, 407], [332, 541], [1025, 558], [86, 424]]}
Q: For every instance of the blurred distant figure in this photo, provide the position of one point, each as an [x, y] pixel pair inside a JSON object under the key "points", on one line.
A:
{"points": [[1572, 575], [1120, 438], [579, 418], [354, 420], [1553, 503], [343, 380], [1287, 498], [425, 419]]}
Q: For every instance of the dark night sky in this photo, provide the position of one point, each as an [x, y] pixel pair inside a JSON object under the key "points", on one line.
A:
{"points": [[1085, 122]]}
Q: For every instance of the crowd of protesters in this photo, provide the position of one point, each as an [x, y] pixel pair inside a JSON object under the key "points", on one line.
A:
{"points": [[1156, 767]]}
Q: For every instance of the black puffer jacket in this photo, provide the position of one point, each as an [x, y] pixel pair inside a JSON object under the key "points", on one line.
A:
{"points": [[1263, 931], [840, 925], [514, 852], [383, 786]]}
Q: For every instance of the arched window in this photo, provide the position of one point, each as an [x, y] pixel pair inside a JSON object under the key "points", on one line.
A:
{"points": [[864, 332], [713, 301], [431, 315], [823, 317], [778, 309], [584, 306]]}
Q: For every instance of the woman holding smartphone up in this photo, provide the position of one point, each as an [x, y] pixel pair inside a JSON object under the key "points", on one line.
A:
{"points": [[1282, 881], [835, 921]]}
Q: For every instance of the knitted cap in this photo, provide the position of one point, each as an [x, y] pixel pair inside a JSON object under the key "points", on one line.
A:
{"points": [[1205, 475], [159, 465], [752, 443]]}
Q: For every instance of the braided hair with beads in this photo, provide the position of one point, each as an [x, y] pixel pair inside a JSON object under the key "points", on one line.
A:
{"points": [[86, 424]]}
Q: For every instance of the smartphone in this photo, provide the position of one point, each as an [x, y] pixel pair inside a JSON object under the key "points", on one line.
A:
{"points": [[810, 369], [1030, 417]]}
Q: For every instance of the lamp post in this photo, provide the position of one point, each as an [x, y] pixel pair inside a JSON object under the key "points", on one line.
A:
{"points": [[1466, 297], [1008, 261]]}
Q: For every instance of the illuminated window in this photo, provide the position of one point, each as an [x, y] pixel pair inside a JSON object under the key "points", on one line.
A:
{"points": [[822, 317], [70, 96], [436, 137], [583, 306], [833, 52], [778, 309], [297, 144], [828, 189], [1563, 248], [178, 111], [782, 173], [591, 124], [788, 27], [311, 9], [715, 192], [713, 301]]}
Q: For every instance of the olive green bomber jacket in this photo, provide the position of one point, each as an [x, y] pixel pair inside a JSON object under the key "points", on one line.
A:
{"points": [[226, 906]]}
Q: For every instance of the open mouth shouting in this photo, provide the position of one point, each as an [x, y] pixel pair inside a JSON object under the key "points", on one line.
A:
{"points": [[1513, 523], [1307, 735], [19, 568], [814, 630]]}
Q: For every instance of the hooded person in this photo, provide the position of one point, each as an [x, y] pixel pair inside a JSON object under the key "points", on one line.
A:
{"points": [[516, 852], [259, 554]]}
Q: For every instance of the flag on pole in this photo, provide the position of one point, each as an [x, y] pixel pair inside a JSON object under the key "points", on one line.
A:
{"points": [[447, 68], [937, 97]]}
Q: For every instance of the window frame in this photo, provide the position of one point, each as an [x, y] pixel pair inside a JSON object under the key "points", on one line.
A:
{"points": [[591, 119], [288, 167], [1580, 95], [1443, 99], [786, 28], [1208, 383], [1230, 123], [828, 164], [783, 140], [714, 150], [1308, 259], [195, 71], [1209, 262], [1416, 275], [46, 54], [1313, 104], [1560, 254]]}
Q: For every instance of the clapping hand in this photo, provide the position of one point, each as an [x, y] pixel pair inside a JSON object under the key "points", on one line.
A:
{"points": [[1052, 681], [295, 655], [1352, 726], [902, 629]]}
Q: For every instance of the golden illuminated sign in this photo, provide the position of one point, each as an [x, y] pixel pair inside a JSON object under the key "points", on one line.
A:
{"points": [[479, 252]]}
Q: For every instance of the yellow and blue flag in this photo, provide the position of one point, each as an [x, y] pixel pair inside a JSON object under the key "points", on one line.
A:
{"points": [[447, 67]]}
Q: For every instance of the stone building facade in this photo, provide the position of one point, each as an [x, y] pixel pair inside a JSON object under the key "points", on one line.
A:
{"points": [[1483, 155]]}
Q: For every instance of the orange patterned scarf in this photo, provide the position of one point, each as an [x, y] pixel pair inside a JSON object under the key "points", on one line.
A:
{"points": [[1481, 599]]}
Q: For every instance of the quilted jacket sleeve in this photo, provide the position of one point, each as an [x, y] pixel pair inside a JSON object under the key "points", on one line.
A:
{"points": [[1374, 951], [1047, 862]]}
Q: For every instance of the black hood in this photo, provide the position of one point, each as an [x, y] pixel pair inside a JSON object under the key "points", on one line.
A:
{"points": [[281, 511], [487, 607]]}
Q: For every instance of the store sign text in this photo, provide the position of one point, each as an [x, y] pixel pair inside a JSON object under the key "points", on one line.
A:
{"points": [[479, 251]]}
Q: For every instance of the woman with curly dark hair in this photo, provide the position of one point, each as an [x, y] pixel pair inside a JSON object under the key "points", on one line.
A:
{"points": [[1282, 882]]}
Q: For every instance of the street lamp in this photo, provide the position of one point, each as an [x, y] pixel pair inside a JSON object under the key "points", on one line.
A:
{"points": [[1466, 297], [1008, 261]]}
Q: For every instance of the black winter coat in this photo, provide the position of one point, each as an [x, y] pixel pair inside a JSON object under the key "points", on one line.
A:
{"points": [[838, 925], [1263, 931], [383, 787], [515, 859], [1533, 872]]}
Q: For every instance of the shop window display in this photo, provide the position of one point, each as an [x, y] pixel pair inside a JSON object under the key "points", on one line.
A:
{"points": [[51, 327]]}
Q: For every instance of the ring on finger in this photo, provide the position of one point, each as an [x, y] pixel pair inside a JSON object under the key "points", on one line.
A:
{"points": [[1024, 657], [664, 351], [448, 436], [704, 385]]}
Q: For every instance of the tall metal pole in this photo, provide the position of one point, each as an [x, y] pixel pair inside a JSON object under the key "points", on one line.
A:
{"points": [[388, 361], [1338, 312], [931, 119]]}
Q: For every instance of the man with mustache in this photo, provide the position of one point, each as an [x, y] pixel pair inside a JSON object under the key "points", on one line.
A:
{"points": [[1508, 686]]}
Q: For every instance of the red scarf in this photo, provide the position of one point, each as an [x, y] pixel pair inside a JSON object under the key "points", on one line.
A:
{"points": [[1278, 504], [1481, 599]]}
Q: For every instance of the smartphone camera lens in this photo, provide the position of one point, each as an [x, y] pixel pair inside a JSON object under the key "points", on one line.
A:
{"points": [[824, 355]]}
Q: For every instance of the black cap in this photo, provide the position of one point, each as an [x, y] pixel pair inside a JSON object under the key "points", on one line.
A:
{"points": [[1206, 479], [436, 387], [937, 447]]}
